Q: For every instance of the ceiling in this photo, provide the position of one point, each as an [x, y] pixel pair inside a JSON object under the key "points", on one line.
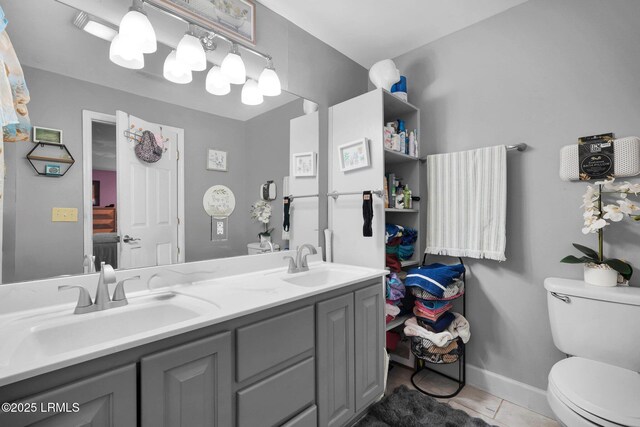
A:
{"points": [[370, 30]]}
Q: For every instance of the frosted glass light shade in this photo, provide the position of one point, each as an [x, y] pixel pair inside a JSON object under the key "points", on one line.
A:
{"points": [[136, 29], [217, 82], [191, 53], [175, 71], [233, 67], [125, 54], [269, 83], [251, 94]]}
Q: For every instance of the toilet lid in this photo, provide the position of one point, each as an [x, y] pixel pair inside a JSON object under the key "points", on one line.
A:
{"points": [[606, 391]]}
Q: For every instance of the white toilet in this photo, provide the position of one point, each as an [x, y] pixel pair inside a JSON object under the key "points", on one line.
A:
{"points": [[600, 328]]}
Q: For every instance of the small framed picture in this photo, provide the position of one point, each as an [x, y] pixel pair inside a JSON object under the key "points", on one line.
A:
{"points": [[217, 160], [354, 155], [304, 164], [53, 136], [52, 170]]}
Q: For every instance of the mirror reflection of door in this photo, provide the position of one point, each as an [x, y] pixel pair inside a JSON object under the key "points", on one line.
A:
{"points": [[135, 205]]}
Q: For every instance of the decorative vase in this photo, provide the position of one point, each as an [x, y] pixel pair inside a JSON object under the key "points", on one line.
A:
{"points": [[264, 239], [600, 275]]}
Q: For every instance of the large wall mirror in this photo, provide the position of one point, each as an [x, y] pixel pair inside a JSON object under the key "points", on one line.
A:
{"points": [[156, 163]]}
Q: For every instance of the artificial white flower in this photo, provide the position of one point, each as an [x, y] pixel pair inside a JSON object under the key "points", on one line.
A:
{"points": [[593, 224], [628, 207], [590, 196], [613, 213], [609, 185]]}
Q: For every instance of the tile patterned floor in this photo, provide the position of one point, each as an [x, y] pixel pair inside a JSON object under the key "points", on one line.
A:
{"points": [[475, 402]]}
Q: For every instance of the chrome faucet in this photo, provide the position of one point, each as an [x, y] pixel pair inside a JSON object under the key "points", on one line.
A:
{"points": [[102, 300], [300, 264], [271, 248]]}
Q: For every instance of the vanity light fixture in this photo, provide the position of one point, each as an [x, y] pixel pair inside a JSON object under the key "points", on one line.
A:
{"points": [[217, 82], [94, 27], [135, 29], [175, 71], [269, 83], [251, 94], [233, 66], [190, 51], [125, 54]]}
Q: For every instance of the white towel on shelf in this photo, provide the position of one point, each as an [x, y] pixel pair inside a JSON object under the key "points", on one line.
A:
{"points": [[467, 203]]}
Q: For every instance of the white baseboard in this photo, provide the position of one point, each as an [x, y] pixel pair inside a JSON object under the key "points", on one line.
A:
{"points": [[514, 391]]}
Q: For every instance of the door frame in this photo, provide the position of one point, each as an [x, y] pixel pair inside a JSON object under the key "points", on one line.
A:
{"points": [[88, 117]]}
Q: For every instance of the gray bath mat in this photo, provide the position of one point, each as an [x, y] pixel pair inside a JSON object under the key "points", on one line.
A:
{"points": [[410, 408]]}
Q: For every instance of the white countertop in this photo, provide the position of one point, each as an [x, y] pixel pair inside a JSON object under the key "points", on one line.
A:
{"points": [[230, 297]]}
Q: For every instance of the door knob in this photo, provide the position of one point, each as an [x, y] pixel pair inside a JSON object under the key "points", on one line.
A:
{"points": [[129, 239]]}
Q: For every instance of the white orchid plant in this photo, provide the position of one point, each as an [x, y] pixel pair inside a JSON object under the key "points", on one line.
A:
{"points": [[261, 212], [598, 215]]}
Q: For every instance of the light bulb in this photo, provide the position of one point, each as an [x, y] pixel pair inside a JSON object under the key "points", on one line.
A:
{"points": [[233, 67], [251, 94], [125, 55], [191, 53], [135, 29], [217, 82], [269, 83], [175, 71]]}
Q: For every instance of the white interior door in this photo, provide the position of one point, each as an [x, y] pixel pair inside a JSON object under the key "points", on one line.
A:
{"points": [[149, 198]]}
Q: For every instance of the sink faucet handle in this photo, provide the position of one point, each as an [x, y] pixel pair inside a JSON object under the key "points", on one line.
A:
{"points": [[84, 299], [293, 268], [118, 293]]}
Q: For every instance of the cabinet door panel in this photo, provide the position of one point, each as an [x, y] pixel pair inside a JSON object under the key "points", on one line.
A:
{"points": [[335, 363], [188, 386], [104, 400], [369, 339]]}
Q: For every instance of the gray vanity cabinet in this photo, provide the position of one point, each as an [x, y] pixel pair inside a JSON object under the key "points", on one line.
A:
{"points": [[349, 351], [188, 385], [104, 400], [369, 340], [336, 349]]}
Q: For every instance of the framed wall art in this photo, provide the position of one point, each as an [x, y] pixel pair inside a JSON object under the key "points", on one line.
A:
{"points": [[354, 155], [53, 136], [304, 164], [233, 18], [216, 160]]}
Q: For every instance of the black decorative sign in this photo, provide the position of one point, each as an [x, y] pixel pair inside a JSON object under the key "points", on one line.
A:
{"points": [[596, 160]]}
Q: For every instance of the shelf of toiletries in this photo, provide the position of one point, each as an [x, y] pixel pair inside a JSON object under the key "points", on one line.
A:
{"points": [[391, 156]]}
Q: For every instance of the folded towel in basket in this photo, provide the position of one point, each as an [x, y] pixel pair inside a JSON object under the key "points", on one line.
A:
{"points": [[458, 328], [434, 278]]}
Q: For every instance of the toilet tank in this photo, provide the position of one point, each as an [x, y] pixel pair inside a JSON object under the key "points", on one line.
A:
{"points": [[594, 322]]}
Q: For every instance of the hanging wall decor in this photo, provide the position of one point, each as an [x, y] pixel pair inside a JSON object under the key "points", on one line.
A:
{"points": [[354, 155], [219, 203], [235, 18], [304, 164], [217, 160]]}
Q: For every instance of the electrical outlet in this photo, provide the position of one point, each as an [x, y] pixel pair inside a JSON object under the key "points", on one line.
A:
{"points": [[64, 215]]}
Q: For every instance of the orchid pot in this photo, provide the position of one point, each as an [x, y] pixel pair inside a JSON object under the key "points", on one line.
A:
{"points": [[600, 275]]}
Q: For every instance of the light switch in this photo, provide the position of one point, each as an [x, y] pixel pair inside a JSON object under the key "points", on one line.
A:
{"points": [[64, 215]]}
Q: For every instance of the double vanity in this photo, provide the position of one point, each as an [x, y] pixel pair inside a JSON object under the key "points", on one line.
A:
{"points": [[198, 344]]}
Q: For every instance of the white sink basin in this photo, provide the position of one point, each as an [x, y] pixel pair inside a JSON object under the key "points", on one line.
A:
{"points": [[321, 276], [51, 334]]}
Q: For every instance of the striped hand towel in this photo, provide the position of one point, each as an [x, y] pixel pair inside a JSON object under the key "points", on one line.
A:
{"points": [[467, 203]]}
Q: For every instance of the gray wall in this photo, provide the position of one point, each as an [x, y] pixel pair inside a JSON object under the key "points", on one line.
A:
{"points": [[544, 73], [267, 153]]}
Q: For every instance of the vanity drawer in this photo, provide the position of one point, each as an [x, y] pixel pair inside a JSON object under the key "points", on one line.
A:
{"points": [[279, 397], [306, 418], [265, 344]]}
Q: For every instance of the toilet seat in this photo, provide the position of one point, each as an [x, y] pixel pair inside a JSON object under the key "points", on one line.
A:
{"points": [[603, 394]]}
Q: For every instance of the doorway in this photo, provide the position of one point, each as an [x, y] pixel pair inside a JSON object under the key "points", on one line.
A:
{"points": [[130, 222]]}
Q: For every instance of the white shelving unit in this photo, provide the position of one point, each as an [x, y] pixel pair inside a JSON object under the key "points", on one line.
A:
{"points": [[364, 117]]}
